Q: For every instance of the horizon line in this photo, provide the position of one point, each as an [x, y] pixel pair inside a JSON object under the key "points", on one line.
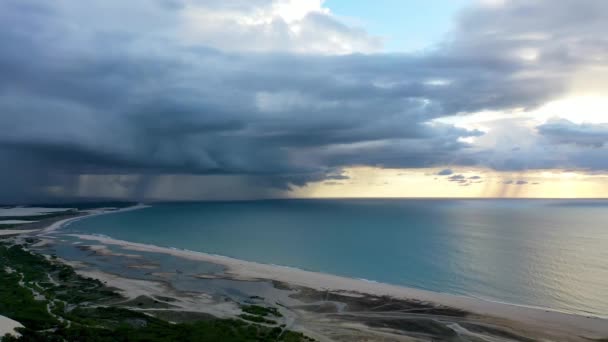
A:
{"points": [[106, 200]]}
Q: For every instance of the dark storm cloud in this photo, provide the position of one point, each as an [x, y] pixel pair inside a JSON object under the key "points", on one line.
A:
{"points": [[445, 172], [110, 88]]}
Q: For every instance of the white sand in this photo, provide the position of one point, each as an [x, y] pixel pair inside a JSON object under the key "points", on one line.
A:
{"points": [[5, 232], [7, 326], [543, 319], [16, 222], [29, 211]]}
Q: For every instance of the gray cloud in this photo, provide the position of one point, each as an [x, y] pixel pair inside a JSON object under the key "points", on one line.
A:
{"points": [[445, 172], [460, 179], [131, 89], [515, 182], [566, 132]]}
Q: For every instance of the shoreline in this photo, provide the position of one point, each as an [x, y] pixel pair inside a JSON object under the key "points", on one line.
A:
{"points": [[543, 319], [237, 269]]}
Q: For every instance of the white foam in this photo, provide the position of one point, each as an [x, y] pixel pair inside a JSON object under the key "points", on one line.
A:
{"points": [[369, 281]]}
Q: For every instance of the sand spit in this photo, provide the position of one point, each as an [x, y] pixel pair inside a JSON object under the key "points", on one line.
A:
{"points": [[59, 223], [95, 212], [15, 222], [7, 232], [30, 211]]}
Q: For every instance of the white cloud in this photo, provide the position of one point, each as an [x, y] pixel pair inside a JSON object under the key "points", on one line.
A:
{"points": [[295, 10], [303, 26]]}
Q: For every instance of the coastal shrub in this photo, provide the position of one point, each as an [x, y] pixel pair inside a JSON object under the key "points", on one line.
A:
{"points": [[19, 304], [261, 310], [257, 319]]}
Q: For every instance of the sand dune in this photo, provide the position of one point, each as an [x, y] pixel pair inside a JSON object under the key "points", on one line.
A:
{"points": [[7, 326]]}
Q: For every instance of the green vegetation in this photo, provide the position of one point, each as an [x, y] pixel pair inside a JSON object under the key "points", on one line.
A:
{"points": [[258, 314], [11, 225], [257, 319], [261, 311], [216, 330], [19, 304], [53, 280], [56, 304]]}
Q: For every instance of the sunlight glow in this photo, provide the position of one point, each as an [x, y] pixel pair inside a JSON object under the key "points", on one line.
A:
{"points": [[578, 109], [462, 183]]}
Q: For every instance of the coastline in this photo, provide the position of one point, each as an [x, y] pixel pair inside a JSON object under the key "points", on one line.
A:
{"points": [[511, 315], [595, 327]]}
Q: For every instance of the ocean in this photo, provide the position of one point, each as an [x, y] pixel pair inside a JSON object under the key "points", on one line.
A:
{"points": [[541, 253]]}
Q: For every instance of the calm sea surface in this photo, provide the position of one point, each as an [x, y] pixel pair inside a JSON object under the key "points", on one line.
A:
{"points": [[545, 253]]}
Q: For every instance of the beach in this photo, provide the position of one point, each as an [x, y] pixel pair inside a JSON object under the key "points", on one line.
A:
{"points": [[532, 318], [325, 306]]}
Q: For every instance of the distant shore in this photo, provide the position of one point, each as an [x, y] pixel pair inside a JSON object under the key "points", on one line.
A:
{"points": [[52, 224], [90, 213]]}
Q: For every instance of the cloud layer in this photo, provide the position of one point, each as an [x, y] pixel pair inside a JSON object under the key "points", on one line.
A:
{"points": [[269, 93]]}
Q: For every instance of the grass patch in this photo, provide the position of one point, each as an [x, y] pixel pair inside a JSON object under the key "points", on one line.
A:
{"points": [[263, 311], [11, 225], [257, 319]]}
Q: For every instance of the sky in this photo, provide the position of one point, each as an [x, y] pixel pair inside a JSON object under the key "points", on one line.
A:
{"points": [[246, 99], [403, 25]]}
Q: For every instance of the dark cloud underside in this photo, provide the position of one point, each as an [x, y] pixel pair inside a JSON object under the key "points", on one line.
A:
{"points": [[110, 88]]}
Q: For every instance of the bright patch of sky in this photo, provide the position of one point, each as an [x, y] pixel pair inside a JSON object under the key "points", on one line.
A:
{"points": [[405, 25]]}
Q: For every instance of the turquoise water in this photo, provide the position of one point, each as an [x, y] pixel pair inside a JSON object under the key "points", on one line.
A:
{"points": [[545, 253]]}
